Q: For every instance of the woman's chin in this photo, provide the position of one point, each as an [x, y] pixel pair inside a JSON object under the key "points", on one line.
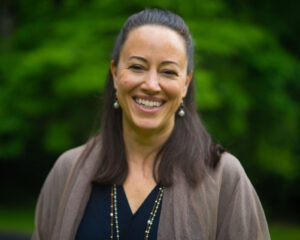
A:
{"points": [[151, 125], [147, 126]]}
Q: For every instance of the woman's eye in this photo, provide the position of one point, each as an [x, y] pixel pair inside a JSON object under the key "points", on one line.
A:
{"points": [[136, 67], [170, 72]]}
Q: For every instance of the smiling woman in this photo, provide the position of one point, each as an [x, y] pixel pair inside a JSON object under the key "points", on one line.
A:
{"points": [[152, 171], [151, 79]]}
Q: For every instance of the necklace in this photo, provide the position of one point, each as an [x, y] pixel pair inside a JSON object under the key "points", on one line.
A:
{"points": [[114, 212]]}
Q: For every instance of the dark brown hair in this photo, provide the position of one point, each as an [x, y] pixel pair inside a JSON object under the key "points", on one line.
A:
{"points": [[189, 149]]}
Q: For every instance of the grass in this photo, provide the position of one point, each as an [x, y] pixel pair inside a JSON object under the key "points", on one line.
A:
{"points": [[21, 221], [16, 220], [283, 231]]}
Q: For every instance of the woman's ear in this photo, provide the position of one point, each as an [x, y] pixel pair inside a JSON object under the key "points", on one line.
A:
{"points": [[113, 70], [187, 83]]}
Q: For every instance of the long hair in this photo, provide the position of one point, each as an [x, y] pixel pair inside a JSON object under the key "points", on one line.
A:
{"points": [[189, 148]]}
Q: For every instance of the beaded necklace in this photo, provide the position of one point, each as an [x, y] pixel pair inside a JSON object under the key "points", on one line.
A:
{"points": [[114, 212]]}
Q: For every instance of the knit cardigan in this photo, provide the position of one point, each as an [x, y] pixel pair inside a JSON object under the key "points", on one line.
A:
{"points": [[224, 206]]}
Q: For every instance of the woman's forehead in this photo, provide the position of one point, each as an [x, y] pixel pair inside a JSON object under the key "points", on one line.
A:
{"points": [[155, 41]]}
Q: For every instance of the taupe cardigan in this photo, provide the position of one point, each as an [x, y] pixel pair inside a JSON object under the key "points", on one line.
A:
{"points": [[224, 206]]}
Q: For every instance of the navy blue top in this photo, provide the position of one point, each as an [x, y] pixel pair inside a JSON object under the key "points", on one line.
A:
{"points": [[96, 220]]}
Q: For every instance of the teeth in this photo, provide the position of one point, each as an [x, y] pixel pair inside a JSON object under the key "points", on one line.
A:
{"points": [[147, 103]]}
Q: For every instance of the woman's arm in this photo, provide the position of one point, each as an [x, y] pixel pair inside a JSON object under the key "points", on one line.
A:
{"points": [[240, 213]]}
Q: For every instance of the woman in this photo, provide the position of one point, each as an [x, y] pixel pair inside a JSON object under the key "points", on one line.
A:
{"points": [[153, 171]]}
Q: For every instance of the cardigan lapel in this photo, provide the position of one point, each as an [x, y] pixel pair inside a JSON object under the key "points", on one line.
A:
{"points": [[189, 213]]}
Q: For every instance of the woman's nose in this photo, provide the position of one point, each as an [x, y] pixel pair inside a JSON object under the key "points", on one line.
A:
{"points": [[151, 82]]}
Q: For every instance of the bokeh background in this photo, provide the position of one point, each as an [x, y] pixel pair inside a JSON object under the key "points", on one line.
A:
{"points": [[54, 60]]}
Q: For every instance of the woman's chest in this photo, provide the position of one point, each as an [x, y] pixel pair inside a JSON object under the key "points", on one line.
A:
{"points": [[108, 213]]}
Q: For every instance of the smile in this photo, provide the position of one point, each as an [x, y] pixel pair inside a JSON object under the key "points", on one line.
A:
{"points": [[147, 103]]}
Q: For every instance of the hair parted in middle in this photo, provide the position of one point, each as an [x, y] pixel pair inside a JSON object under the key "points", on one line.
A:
{"points": [[189, 149]]}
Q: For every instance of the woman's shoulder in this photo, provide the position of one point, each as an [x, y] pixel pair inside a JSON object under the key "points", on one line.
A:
{"points": [[67, 159], [230, 167], [229, 173], [61, 169]]}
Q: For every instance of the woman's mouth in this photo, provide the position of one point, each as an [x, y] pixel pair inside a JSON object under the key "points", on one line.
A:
{"points": [[148, 103]]}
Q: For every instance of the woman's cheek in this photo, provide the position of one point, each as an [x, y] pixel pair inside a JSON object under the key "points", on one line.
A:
{"points": [[128, 82], [172, 89]]}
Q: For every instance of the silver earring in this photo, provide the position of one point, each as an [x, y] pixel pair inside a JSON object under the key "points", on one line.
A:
{"points": [[181, 111], [116, 102]]}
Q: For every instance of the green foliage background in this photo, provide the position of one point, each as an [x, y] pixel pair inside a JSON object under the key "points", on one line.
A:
{"points": [[54, 61]]}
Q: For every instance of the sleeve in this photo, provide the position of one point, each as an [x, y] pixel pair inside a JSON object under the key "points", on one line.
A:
{"points": [[240, 213], [51, 194]]}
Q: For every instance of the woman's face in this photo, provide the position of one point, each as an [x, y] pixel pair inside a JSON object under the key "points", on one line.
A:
{"points": [[151, 77]]}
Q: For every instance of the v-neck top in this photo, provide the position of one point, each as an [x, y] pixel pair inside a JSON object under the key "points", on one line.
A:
{"points": [[95, 223]]}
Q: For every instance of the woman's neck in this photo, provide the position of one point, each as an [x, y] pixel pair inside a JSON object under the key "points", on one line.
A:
{"points": [[143, 145]]}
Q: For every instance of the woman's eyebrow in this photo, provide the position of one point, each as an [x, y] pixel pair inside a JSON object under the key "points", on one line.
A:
{"points": [[145, 60], [139, 58], [169, 62]]}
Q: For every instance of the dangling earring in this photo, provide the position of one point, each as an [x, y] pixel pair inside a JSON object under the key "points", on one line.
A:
{"points": [[181, 111], [116, 102]]}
